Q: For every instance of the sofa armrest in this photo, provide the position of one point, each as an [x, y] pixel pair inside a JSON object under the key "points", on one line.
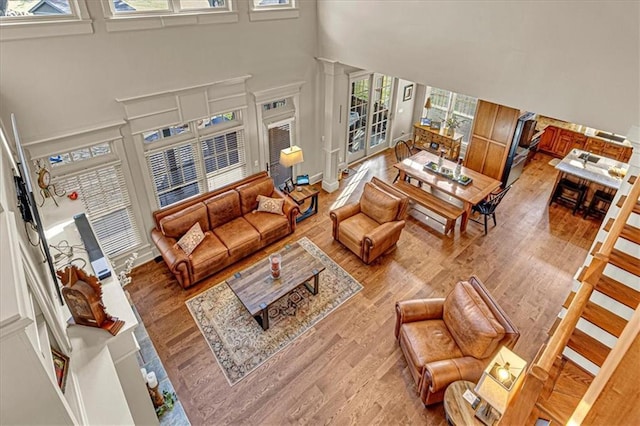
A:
{"points": [[438, 375], [176, 259], [418, 310], [342, 213], [290, 208]]}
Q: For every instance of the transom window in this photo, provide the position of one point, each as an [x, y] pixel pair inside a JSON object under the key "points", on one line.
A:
{"points": [[272, 3], [214, 157], [81, 154], [171, 6], [34, 8], [164, 133]]}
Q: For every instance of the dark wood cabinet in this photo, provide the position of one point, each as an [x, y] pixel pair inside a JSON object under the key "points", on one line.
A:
{"points": [[559, 142]]}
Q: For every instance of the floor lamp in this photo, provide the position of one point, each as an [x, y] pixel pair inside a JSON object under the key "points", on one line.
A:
{"points": [[291, 156]]}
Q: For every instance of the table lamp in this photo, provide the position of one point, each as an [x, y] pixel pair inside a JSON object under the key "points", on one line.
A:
{"points": [[427, 105], [291, 156], [499, 383]]}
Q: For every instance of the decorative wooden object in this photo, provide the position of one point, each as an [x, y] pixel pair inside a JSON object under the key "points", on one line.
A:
{"points": [[437, 140], [83, 295]]}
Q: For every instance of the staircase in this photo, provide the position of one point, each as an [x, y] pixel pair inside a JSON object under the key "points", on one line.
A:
{"points": [[593, 320]]}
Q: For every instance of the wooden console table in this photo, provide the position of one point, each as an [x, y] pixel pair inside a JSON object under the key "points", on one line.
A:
{"points": [[432, 140]]}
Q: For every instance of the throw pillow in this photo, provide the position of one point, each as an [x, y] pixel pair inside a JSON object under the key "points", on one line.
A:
{"points": [[270, 205], [191, 239]]}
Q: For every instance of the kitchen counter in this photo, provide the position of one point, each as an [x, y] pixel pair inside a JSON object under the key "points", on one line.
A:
{"points": [[594, 171]]}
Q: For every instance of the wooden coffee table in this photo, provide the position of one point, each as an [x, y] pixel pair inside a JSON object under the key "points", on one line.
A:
{"points": [[257, 290]]}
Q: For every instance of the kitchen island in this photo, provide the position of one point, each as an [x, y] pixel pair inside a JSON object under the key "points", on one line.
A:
{"points": [[595, 171]]}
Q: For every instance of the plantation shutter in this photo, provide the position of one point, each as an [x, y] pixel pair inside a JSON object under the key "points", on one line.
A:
{"points": [[224, 158], [175, 173], [103, 191]]}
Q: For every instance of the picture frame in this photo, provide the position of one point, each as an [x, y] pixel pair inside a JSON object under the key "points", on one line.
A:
{"points": [[434, 145], [425, 122], [408, 92], [61, 367], [435, 125], [288, 186]]}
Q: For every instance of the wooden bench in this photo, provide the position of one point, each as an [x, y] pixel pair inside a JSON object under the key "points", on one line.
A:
{"points": [[429, 201]]}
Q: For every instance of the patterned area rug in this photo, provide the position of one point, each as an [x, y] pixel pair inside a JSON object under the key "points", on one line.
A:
{"points": [[239, 343]]}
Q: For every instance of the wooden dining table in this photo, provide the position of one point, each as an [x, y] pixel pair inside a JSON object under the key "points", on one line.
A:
{"points": [[470, 195]]}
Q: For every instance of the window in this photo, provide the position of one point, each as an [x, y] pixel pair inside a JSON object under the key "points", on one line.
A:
{"points": [[446, 104], [169, 6], [272, 9], [149, 14], [102, 189], [166, 132], [214, 157], [34, 8], [22, 19]]}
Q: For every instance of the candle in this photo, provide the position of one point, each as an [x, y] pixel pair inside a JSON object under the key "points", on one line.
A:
{"points": [[152, 381]]}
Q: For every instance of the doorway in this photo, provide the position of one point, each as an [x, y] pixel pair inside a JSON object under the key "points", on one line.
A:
{"points": [[279, 135], [370, 102]]}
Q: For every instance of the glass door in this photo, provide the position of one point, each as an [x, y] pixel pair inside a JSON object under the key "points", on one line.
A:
{"points": [[369, 107], [358, 118], [279, 139], [381, 96]]}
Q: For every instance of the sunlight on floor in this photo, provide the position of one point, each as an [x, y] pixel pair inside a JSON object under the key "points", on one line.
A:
{"points": [[353, 184]]}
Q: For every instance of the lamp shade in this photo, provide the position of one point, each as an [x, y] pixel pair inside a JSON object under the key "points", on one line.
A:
{"points": [[427, 104], [291, 156], [501, 379]]}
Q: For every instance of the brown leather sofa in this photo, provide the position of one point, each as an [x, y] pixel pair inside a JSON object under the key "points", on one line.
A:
{"points": [[372, 226], [232, 227], [450, 339]]}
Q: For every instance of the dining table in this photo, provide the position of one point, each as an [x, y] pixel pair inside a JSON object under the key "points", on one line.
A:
{"points": [[469, 195]]}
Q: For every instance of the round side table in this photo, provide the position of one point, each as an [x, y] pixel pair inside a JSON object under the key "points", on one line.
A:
{"points": [[456, 408]]}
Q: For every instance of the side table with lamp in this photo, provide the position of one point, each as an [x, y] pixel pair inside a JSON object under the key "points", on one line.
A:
{"points": [[289, 157], [498, 384]]}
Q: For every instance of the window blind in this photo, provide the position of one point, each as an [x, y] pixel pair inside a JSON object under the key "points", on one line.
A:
{"points": [[224, 158], [175, 173], [279, 139], [103, 191]]}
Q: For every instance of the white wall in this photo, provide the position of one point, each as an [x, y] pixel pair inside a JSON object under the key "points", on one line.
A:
{"points": [[402, 125], [576, 61], [62, 85]]}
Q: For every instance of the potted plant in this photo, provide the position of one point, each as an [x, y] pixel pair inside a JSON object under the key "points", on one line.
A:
{"points": [[452, 124]]}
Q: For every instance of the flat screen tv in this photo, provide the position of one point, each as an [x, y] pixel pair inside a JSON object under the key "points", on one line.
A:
{"points": [[26, 200]]}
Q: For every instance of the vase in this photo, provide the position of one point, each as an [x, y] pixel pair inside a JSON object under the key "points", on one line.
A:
{"points": [[450, 131], [275, 261]]}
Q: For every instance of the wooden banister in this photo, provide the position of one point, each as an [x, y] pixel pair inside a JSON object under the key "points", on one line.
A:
{"points": [[520, 408]]}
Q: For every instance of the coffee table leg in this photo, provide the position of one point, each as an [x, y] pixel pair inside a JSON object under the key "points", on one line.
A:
{"points": [[263, 317], [316, 283]]}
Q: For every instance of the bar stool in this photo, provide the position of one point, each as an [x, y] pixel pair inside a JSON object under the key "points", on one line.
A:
{"points": [[570, 192], [599, 203]]}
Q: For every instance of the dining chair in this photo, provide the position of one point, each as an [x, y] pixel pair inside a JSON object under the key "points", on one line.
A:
{"points": [[403, 150], [488, 206]]}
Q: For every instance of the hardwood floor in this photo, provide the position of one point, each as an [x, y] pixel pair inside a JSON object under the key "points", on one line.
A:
{"points": [[349, 368]]}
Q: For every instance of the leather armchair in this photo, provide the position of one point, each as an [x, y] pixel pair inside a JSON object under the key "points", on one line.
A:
{"points": [[372, 226], [450, 339]]}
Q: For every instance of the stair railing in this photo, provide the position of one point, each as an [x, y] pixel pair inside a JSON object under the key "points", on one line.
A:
{"points": [[521, 406]]}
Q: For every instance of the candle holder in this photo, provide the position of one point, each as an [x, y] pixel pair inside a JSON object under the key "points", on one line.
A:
{"points": [[275, 260]]}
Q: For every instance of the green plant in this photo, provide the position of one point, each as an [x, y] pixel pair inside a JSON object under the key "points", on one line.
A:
{"points": [[453, 122], [169, 402]]}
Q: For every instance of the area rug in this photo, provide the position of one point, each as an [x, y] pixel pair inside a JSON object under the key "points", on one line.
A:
{"points": [[239, 343]]}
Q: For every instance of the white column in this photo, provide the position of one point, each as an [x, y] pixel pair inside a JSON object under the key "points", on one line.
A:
{"points": [[333, 123]]}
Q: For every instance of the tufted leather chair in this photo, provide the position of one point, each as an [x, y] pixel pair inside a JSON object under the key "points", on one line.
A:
{"points": [[450, 339], [372, 226]]}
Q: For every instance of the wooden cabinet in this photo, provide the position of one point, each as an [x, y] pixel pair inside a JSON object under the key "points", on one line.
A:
{"points": [[559, 142], [607, 149], [491, 138], [548, 138], [436, 140]]}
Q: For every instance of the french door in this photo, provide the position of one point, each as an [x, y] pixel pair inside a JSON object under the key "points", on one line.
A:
{"points": [[369, 110]]}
